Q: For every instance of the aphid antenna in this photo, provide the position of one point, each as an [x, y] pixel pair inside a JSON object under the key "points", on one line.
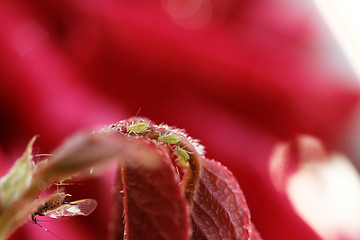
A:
{"points": [[137, 112]]}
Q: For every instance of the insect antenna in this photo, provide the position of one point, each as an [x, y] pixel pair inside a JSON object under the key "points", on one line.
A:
{"points": [[45, 229], [138, 112], [49, 220]]}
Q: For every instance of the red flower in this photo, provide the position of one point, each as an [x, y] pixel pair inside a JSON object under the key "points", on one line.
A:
{"points": [[238, 76]]}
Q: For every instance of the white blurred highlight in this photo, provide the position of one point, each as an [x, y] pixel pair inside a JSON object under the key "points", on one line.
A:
{"points": [[278, 166], [190, 14], [343, 18], [324, 188]]}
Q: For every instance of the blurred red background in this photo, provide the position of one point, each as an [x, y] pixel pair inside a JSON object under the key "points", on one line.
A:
{"points": [[238, 75]]}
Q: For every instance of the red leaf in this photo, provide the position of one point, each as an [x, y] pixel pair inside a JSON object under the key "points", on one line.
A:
{"points": [[219, 208], [154, 205]]}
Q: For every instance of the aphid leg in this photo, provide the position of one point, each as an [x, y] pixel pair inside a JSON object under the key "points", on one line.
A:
{"points": [[133, 133]]}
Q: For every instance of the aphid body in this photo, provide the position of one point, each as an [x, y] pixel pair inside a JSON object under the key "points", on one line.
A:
{"points": [[183, 157], [137, 127], [169, 138]]}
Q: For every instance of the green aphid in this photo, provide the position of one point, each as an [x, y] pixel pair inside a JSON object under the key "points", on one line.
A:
{"points": [[169, 138], [183, 157], [137, 127]]}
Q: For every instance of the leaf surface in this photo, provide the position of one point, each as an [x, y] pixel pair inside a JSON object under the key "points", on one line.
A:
{"points": [[154, 204], [219, 208], [18, 179]]}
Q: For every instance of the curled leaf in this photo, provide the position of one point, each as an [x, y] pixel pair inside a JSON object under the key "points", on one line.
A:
{"points": [[153, 203]]}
